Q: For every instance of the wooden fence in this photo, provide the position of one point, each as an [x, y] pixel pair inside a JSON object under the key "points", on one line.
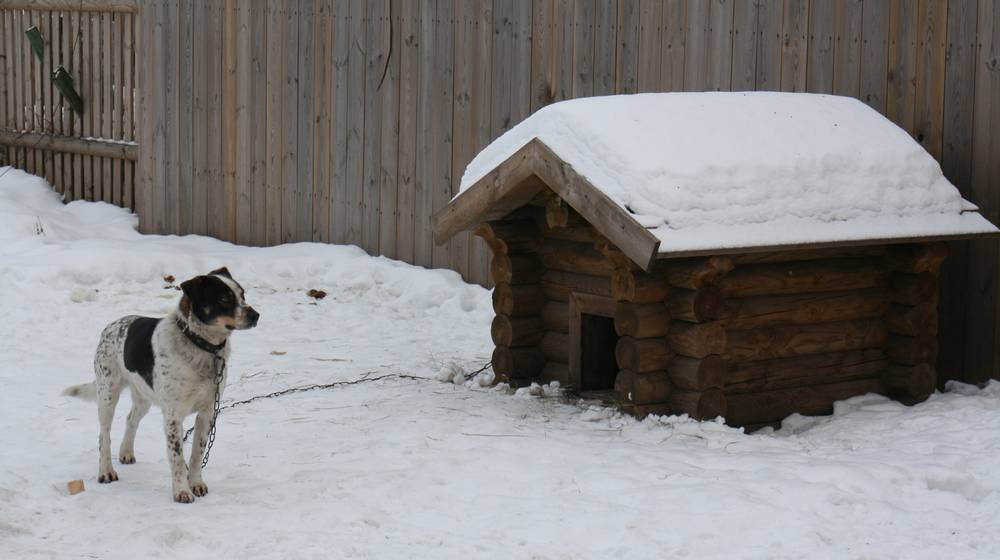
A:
{"points": [[84, 156], [350, 121]]}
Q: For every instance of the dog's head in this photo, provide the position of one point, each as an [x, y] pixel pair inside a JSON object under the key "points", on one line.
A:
{"points": [[217, 300]]}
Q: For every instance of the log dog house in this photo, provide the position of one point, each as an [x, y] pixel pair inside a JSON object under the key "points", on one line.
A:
{"points": [[588, 296]]}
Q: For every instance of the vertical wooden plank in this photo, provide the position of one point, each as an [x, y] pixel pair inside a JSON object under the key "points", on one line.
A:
{"points": [[20, 88], [107, 99], [875, 53], [307, 114], [744, 46], [650, 44], [819, 64], [795, 44], [957, 166], [48, 114], [290, 122], [443, 94], [376, 48], [158, 142], [584, 14], [542, 53], [770, 29], [340, 121], [424, 194], [201, 36], [673, 45], [981, 327], [562, 44], [696, 46], [185, 119], [388, 90], [145, 85], [75, 61], [37, 105], [719, 71], [322, 132], [409, 72], [901, 92], [462, 124], [605, 46], [627, 54], [847, 60], [117, 111], [230, 135], [129, 71], [274, 115], [930, 75], [520, 96], [356, 122], [259, 32], [480, 116], [243, 91], [8, 110]]}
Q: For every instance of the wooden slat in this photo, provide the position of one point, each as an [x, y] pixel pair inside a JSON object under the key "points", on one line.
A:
{"points": [[425, 160], [605, 33], [956, 163], [563, 45], [290, 121], [258, 77], [480, 103], [847, 62], [107, 45], [8, 82], [719, 71], [322, 143], [819, 64], [696, 45], [930, 75], [354, 168], [794, 31], [273, 120], [376, 48], [339, 120], [226, 206], [240, 36], [744, 49], [542, 53], [901, 92], [650, 48], [627, 56], [875, 53], [117, 111], [440, 149], [672, 46], [90, 147], [307, 117], [409, 72], [128, 133], [584, 27], [185, 119]]}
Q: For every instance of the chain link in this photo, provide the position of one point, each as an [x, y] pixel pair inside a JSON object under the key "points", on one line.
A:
{"points": [[220, 368]]}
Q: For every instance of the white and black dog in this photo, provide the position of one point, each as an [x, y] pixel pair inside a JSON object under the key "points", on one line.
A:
{"points": [[173, 362]]}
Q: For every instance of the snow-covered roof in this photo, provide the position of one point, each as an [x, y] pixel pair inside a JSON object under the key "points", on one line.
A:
{"points": [[711, 171]]}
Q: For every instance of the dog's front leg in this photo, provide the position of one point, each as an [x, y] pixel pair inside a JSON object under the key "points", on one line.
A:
{"points": [[173, 427], [202, 425]]}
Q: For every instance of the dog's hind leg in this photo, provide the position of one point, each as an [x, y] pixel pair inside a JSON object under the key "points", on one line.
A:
{"points": [[173, 427], [140, 406], [107, 400]]}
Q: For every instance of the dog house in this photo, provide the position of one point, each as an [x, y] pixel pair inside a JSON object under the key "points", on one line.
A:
{"points": [[745, 255]]}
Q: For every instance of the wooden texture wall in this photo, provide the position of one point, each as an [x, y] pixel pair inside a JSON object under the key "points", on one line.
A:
{"points": [[89, 156], [350, 121]]}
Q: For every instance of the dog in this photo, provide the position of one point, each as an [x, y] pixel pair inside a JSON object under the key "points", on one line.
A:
{"points": [[173, 362]]}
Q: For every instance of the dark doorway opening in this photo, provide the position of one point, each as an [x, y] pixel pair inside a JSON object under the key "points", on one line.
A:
{"points": [[598, 366]]}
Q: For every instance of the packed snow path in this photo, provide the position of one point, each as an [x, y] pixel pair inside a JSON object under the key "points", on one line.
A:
{"points": [[427, 469]]}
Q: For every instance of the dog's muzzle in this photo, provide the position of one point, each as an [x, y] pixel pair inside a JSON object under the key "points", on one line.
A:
{"points": [[251, 318]]}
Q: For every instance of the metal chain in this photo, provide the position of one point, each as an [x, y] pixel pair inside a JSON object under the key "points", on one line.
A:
{"points": [[220, 363], [300, 389]]}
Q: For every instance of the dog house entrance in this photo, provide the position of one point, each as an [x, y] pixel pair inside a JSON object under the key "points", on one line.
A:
{"points": [[598, 366], [592, 363]]}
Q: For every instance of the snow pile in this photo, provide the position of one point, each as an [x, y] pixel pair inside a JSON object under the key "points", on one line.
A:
{"points": [[417, 468], [718, 169]]}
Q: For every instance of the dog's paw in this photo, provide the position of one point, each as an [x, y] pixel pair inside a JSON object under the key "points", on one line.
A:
{"points": [[199, 488], [183, 497], [126, 459], [107, 477]]}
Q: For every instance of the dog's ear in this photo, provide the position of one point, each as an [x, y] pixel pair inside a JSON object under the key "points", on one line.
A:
{"points": [[193, 287], [222, 272]]}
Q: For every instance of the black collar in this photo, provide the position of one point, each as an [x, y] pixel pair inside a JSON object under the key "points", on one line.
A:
{"points": [[199, 341]]}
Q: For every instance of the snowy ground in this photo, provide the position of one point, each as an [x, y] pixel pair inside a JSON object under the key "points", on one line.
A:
{"points": [[426, 469]]}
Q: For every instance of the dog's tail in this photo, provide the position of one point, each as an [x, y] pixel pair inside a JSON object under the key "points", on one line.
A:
{"points": [[85, 391]]}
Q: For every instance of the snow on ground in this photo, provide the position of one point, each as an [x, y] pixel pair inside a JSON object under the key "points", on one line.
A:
{"points": [[420, 468], [747, 169]]}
